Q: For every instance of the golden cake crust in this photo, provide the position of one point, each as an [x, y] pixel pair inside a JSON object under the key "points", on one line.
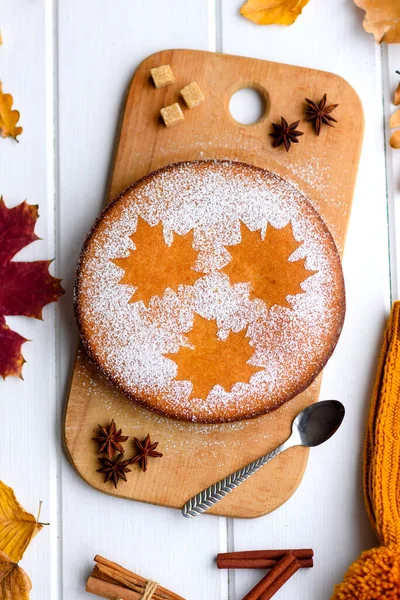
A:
{"points": [[210, 291]]}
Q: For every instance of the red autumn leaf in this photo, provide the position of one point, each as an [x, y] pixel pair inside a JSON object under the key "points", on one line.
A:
{"points": [[25, 287], [11, 359]]}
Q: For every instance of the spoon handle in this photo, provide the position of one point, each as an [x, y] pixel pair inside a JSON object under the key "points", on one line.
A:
{"points": [[216, 492]]}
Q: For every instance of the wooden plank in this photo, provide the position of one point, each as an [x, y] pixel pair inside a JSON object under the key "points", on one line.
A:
{"points": [[100, 45], [28, 408], [391, 79], [207, 133], [327, 511]]}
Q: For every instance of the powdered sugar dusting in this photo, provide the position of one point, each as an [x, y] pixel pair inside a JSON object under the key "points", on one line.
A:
{"points": [[212, 199]]}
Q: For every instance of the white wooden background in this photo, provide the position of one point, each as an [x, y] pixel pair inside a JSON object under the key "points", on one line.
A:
{"points": [[68, 63]]}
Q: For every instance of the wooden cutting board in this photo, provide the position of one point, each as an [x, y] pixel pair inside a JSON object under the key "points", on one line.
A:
{"points": [[323, 167]]}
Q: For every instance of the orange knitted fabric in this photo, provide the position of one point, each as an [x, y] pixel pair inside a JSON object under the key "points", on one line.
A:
{"points": [[376, 574]]}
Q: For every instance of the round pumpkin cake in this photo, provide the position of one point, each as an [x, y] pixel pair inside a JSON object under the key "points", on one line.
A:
{"points": [[210, 291]]}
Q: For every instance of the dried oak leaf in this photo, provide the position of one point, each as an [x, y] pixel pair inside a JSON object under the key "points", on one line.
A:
{"points": [[269, 12], [17, 526], [14, 582], [8, 117], [382, 19], [25, 287]]}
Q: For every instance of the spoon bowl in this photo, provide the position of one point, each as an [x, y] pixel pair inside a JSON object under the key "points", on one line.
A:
{"points": [[318, 422]]}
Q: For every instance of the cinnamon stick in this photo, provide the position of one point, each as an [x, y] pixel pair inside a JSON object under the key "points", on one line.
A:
{"points": [[280, 581], [258, 563], [130, 579], [275, 554], [109, 590], [274, 580], [133, 583], [110, 580]]}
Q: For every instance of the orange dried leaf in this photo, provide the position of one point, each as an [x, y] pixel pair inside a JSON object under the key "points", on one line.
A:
{"points": [[269, 12], [8, 117], [17, 527], [382, 19], [14, 582]]}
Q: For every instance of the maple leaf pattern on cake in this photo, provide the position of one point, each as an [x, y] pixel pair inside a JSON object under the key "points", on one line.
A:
{"points": [[153, 266], [265, 264], [213, 361], [25, 287]]}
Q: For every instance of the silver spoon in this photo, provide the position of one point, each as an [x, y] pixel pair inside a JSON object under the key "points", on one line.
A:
{"points": [[312, 427]]}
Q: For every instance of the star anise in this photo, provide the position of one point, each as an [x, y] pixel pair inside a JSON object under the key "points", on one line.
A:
{"points": [[146, 449], [110, 439], [115, 470], [320, 113], [285, 134]]}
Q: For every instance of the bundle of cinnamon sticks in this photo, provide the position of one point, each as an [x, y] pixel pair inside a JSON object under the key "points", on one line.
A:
{"points": [[283, 564], [110, 580]]}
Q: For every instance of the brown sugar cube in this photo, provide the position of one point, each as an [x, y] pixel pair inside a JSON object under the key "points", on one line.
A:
{"points": [[162, 76], [192, 95], [172, 115]]}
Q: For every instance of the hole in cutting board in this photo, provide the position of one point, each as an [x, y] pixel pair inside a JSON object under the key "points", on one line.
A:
{"points": [[248, 105]]}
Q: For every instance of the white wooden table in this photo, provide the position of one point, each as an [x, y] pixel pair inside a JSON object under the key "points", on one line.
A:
{"points": [[68, 63]]}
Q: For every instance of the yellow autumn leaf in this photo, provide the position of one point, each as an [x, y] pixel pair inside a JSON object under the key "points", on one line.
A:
{"points": [[8, 117], [269, 12], [17, 527], [14, 582], [382, 19]]}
